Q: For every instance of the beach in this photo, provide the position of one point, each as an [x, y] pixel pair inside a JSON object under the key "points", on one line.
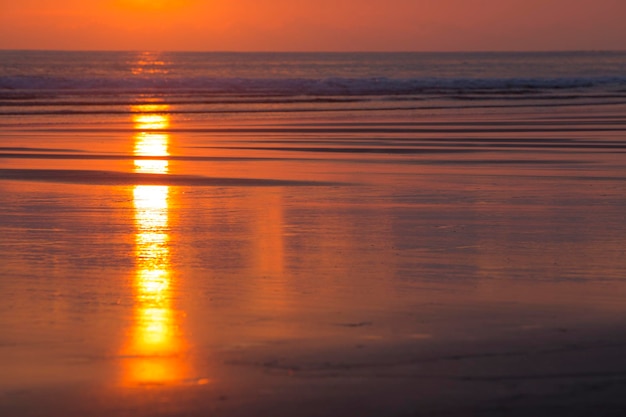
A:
{"points": [[333, 241]]}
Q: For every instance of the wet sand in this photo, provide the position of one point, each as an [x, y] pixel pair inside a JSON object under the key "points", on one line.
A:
{"points": [[444, 266]]}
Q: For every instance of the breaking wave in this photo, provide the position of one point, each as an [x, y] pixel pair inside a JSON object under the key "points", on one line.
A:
{"points": [[54, 86]]}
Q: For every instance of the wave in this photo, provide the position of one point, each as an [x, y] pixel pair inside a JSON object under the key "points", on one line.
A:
{"points": [[60, 110], [94, 177], [27, 86]]}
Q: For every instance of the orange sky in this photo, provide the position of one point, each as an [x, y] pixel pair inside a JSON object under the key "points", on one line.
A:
{"points": [[320, 25]]}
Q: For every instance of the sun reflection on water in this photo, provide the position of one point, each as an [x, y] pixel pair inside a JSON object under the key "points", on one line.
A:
{"points": [[155, 345], [149, 63]]}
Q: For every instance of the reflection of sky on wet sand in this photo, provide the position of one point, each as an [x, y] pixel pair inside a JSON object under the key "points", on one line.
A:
{"points": [[265, 289], [155, 343]]}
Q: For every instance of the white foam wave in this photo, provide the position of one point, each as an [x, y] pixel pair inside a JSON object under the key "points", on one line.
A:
{"points": [[298, 86]]}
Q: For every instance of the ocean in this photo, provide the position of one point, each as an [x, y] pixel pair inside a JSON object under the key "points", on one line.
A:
{"points": [[185, 233], [206, 85]]}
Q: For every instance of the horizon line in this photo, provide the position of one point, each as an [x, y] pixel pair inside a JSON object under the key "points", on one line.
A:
{"points": [[227, 51]]}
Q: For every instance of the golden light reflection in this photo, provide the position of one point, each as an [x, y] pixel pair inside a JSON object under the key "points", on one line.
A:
{"points": [[155, 346], [150, 141], [149, 63]]}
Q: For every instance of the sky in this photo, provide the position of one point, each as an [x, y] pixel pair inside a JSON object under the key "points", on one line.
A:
{"points": [[313, 25]]}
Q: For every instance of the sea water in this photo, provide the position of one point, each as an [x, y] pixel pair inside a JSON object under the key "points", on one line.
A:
{"points": [[67, 83]]}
